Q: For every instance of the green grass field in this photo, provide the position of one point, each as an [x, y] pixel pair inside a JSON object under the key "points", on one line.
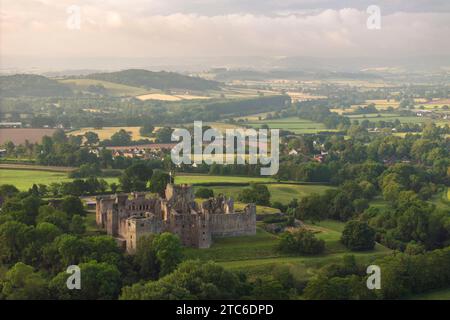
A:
{"points": [[257, 255], [283, 193], [390, 117], [204, 179], [293, 124], [24, 179], [262, 245]]}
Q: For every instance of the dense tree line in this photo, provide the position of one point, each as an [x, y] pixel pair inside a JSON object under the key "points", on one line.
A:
{"points": [[403, 275]]}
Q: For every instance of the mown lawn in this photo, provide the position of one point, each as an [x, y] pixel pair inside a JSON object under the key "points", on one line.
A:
{"points": [[24, 179], [261, 245]]}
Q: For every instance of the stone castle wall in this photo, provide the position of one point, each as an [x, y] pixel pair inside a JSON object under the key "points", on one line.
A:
{"points": [[234, 224], [138, 226]]}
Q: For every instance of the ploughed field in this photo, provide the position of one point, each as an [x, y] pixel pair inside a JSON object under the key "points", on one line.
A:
{"points": [[20, 135]]}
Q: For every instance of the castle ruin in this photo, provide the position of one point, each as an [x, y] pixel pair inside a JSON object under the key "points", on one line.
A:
{"points": [[127, 217]]}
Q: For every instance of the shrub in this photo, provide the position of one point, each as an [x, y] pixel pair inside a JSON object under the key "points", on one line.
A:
{"points": [[301, 242], [204, 193]]}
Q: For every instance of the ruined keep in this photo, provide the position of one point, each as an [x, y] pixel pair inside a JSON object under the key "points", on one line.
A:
{"points": [[130, 216]]}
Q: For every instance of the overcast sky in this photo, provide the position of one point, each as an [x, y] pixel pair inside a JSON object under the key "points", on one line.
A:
{"points": [[155, 28]]}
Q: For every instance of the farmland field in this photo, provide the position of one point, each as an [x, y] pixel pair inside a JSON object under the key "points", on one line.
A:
{"points": [[202, 179], [24, 179], [293, 124], [170, 97], [19, 135], [107, 132], [115, 89], [390, 117]]}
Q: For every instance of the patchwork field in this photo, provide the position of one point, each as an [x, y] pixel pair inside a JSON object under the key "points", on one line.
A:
{"points": [[301, 96]]}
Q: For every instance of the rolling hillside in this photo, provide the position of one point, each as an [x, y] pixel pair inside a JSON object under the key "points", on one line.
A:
{"points": [[21, 85], [155, 80]]}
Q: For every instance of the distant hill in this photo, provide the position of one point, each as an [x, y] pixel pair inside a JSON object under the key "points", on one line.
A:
{"points": [[156, 80], [31, 85]]}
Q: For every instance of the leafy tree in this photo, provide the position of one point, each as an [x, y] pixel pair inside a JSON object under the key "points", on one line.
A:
{"points": [[99, 281], [77, 225], [91, 138], [312, 208], [147, 129], [71, 249], [103, 249], [14, 238], [72, 206], [135, 177], [268, 289], [46, 232], [8, 191], [164, 135], [168, 251], [53, 216], [191, 280], [23, 283], [337, 288], [145, 258], [121, 138], [159, 181], [358, 235], [257, 193], [30, 206]]}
